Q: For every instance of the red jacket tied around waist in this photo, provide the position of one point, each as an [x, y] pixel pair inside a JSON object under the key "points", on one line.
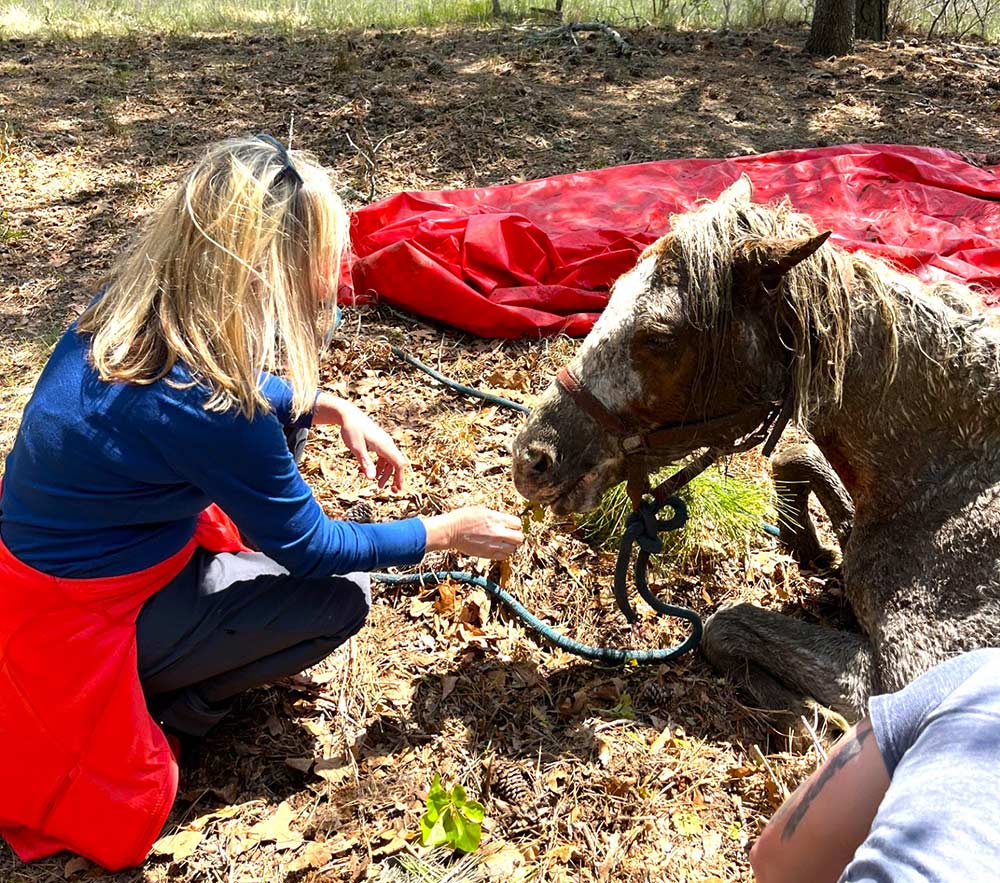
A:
{"points": [[83, 765]]}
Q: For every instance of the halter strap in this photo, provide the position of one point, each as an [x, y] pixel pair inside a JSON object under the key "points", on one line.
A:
{"points": [[587, 402], [759, 422]]}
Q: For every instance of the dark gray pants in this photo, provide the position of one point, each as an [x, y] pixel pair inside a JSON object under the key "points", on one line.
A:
{"points": [[230, 622], [227, 623]]}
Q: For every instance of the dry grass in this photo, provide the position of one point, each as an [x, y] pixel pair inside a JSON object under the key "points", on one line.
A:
{"points": [[102, 17]]}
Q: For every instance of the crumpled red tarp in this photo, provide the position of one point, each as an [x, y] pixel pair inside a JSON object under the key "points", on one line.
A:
{"points": [[537, 258]]}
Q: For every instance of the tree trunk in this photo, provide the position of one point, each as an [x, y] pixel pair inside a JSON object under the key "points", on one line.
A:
{"points": [[871, 19], [832, 31], [498, 12]]}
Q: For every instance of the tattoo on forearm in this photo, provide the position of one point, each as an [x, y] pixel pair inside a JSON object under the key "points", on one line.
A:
{"points": [[843, 756]]}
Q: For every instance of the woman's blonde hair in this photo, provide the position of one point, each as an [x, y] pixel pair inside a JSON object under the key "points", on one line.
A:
{"points": [[236, 273]]}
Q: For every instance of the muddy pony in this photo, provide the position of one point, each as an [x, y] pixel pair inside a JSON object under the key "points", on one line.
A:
{"points": [[743, 308]]}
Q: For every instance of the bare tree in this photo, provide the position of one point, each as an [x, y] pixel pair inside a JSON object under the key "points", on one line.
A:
{"points": [[832, 31], [871, 19]]}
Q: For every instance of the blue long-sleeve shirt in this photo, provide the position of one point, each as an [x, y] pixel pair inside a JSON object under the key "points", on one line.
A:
{"points": [[109, 478]]}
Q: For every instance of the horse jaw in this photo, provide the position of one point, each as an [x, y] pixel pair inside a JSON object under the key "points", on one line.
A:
{"points": [[586, 459]]}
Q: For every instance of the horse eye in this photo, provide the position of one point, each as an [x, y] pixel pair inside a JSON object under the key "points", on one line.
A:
{"points": [[659, 339]]}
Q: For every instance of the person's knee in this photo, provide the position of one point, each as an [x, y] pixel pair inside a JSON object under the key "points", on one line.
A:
{"points": [[347, 605]]}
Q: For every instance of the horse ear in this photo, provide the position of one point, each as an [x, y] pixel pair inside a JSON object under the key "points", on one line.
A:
{"points": [[765, 261], [741, 190]]}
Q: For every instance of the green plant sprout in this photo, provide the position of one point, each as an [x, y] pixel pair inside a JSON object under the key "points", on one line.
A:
{"points": [[451, 818]]}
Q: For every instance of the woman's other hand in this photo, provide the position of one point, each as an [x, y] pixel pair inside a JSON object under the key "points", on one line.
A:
{"points": [[475, 531], [373, 448]]}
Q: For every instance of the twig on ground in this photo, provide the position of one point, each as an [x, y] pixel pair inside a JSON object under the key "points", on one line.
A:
{"points": [[570, 30], [371, 166], [812, 735], [915, 97], [783, 790]]}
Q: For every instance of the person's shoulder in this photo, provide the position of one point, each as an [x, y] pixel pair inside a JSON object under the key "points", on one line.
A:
{"points": [[183, 404], [977, 679], [971, 664], [181, 397]]}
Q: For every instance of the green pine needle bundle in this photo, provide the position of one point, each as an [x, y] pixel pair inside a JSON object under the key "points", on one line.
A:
{"points": [[725, 512]]}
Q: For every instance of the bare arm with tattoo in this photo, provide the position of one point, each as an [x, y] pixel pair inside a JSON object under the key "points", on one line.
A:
{"points": [[814, 834]]}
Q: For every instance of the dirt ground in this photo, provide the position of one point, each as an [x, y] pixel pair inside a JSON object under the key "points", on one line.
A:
{"points": [[586, 773]]}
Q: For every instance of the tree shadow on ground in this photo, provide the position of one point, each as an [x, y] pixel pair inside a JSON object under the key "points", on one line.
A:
{"points": [[96, 128]]}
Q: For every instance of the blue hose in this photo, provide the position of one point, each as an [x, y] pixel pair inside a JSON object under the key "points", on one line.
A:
{"points": [[609, 655], [500, 401]]}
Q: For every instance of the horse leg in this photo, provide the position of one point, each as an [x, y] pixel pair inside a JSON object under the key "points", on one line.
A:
{"points": [[799, 470], [783, 661]]}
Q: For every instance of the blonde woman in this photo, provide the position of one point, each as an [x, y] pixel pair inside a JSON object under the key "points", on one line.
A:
{"points": [[122, 588]]}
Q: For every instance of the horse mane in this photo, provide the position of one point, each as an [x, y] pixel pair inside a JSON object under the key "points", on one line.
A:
{"points": [[822, 299]]}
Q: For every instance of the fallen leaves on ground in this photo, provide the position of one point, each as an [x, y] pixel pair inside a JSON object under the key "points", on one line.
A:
{"points": [[178, 846]]}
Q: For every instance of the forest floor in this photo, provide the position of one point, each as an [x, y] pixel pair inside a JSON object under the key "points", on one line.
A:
{"points": [[587, 774]]}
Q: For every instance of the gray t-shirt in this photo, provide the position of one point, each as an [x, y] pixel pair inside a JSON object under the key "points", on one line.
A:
{"points": [[940, 740]]}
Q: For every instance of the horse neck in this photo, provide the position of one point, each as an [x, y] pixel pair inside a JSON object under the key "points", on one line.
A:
{"points": [[939, 409]]}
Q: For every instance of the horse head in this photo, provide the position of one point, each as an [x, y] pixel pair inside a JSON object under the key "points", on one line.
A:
{"points": [[697, 338]]}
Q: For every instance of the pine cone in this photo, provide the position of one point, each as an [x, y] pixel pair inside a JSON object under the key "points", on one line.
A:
{"points": [[511, 784], [362, 512], [656, 694]]}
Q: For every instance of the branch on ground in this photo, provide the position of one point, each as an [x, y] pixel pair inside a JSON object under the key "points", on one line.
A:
{"points": [[622, 46]]}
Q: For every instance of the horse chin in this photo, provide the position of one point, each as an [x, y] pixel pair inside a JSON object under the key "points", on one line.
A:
{"points": [[585, 492]]}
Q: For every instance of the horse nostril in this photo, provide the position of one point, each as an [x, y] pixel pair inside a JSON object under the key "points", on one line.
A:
{"points": [[541, 461]]}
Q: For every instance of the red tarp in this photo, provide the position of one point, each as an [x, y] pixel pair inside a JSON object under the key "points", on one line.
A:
{"points": [[525, 260]]}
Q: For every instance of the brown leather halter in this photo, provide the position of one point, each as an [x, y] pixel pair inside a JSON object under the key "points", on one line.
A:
{"points": [[760, 422]]}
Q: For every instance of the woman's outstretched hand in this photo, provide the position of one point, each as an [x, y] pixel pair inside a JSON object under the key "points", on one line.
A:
{"points": [[475, 531], [377, 455]]}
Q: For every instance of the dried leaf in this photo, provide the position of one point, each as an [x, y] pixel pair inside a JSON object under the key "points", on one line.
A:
{"points": [[555, 780], [686, 823], [603, 751], [74, 866], [517, 380], [660, 741], [419, 608], [475, 608], [341, 845], [333, 770], [399, 694], [302, 764], [396, 844], [277, 828], [567, 707], [178, 846], [314, 855], [611, 857], [505, 570], [227, 812], [503, 864], [565, 852], [445, 602], [274, 726]]}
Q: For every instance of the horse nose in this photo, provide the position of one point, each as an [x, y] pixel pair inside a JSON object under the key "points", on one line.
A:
{"points": [[539, 460]]}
